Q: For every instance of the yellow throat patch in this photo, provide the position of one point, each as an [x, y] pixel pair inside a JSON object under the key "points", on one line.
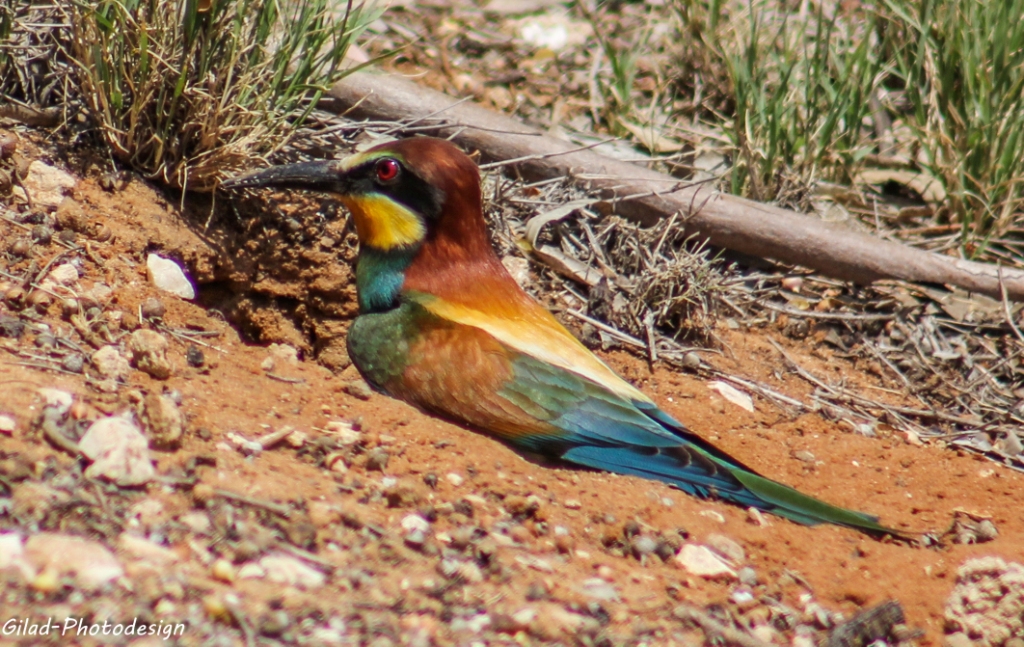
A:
{"points": [[384, 224]]}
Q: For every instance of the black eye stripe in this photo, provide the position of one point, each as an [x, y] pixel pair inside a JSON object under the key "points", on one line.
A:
{"points": [[406, 188]]}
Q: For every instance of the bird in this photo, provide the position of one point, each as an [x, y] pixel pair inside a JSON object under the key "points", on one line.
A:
{"points": [[443, 326]]}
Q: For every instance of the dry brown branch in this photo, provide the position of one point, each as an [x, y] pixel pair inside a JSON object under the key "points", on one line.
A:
{"points": [[646, 196]]}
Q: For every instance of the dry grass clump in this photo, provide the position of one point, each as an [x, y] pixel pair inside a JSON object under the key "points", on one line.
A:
{"points": [[190, 91], [183, 91], [823, 91]]}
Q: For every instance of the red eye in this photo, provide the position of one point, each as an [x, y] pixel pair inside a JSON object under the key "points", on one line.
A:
{"points": [[387, 170]]}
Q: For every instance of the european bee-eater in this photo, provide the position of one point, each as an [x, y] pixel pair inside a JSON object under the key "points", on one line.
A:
{"points": [[443, 326]]}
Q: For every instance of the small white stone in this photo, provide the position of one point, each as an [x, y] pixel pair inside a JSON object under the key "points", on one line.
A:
{"points": [[519, 268], [335, 633], [455, 478], [284, 352], [292, 571], [56, 399], [251, 571], [197, 522], [726, 547], [110, 363], [63, 274], [145, 550], [415, 522], [168, 276], [599, 589], [343, 432], [713, 514], [118, 451], [46, 184], [524, 616], [149, 353], [91, 563], [572, 504], [7, 424], [700, 560], [470, 572], [12, 556], [100, 293], [742, 596]]}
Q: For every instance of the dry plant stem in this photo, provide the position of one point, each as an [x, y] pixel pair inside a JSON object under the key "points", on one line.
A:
{"points": [[725, 221], [269, 506]]}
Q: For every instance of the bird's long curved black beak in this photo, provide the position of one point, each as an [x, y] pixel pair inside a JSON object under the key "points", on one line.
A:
{"points": [[321, 175]]}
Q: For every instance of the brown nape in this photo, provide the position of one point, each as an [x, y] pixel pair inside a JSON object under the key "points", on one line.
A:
{"points": [[457, 262]]}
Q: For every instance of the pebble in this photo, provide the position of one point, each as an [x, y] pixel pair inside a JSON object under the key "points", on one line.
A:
{"points": [[572, 504], [153, 308], [804, 455], [195, 357], [251, 571], [20, 247], [223, 570], [357, 389], [197, 522], [69, 307], [522, 506], [700, 560], [957, 639], [11, 326], [713, 514], [470, 573], [642, 545], [285, 569], [766, 633], [63, 274], [473, 624], [518, 267], [110, 363], [169, 277], [162, 421], [7, 424], [275, 623], [149, 353], [284, 352], [118, 451], [56, 399], [46, 184], [742, 597], [415, 522], [344, 432], [455, 478], [73, 363], [12, 556], [335, 633], [42, 234], [144, 550], [415, 538], [599, 589], [335, 462], [747, 576], [40, 301], [726, 547], [90, 563], [377, 459], [756, 517]]}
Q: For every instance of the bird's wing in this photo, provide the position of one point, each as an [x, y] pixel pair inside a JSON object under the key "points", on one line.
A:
{"points": [[523, 325], [467, 372]]}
